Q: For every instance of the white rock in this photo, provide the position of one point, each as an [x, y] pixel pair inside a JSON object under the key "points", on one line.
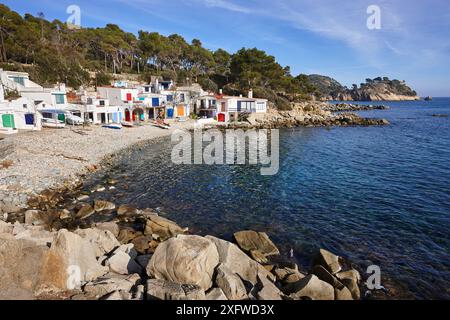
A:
{"points": [[122, 263], [102, 240], [216, 294], [185, 259]]}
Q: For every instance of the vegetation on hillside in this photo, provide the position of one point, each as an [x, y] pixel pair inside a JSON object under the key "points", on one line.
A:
{"points": [[51, 52]]}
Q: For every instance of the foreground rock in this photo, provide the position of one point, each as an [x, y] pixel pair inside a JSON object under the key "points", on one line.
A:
{"points": [[167, 290], [70, 255], [312, 288], [252, 241], [185, 260]]}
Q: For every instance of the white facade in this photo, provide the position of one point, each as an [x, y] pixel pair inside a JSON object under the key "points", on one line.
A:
{"points": [[20, 81], [98, 111], [119, 96]]}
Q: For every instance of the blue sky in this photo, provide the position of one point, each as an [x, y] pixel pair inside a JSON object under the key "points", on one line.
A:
{"points": [[311, 36]]}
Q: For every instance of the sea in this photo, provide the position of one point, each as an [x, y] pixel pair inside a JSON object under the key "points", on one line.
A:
{"points": [[377, 195]]}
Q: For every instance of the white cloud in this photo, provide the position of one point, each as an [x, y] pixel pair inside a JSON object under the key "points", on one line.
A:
{"points": [[228, 5]]}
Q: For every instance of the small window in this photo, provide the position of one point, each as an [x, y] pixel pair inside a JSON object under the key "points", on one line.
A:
{"points": [[102, 102], [25, 106], [19, 80], [60, 99]]}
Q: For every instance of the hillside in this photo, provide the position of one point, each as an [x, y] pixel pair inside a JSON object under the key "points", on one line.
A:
{"points": [[378, 89]]}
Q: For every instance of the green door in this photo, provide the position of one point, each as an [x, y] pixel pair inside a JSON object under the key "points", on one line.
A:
{"points": [[61, 117], [8, 121]]}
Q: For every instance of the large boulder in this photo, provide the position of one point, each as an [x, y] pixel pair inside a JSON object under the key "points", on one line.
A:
{"points": [[21, 262], [230, 283], [328, 260], [235, 259], [259, 242], [166, 290], [70, 261], [162, 228], [311, 288], [103, 241], [185, 259], [37, 235]]}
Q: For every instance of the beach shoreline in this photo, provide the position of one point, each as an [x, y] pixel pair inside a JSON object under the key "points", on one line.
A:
{"points": [[50, 159]]}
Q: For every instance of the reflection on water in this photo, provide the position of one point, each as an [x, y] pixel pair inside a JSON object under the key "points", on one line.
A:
{"points": [[376, 195]]}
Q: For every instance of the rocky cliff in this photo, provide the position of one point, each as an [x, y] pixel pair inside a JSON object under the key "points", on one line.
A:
{"points": [[378, 89]]}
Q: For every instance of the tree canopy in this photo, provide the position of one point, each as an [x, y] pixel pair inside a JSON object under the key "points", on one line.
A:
{"points": [[52, 52]]}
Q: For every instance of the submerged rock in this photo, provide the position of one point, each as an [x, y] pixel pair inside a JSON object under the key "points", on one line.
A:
{"points": [[85, 211], [256, 241], [102, 205], [185, 259], [162, 227]]}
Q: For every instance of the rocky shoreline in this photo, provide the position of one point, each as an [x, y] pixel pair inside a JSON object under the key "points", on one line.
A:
{"points": [[55, 244], [91, 251], [348, 107]]}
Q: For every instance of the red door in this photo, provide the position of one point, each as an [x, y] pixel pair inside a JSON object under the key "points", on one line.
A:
{"points": [[221, 117], [127, 115], [129, 97]]}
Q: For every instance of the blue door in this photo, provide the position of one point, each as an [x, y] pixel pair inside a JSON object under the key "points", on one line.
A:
{"points": [[29, 119], [239, 106], [155, 102], [115, 118], [169, 113]]}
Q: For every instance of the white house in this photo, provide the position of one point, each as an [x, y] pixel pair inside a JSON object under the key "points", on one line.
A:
{"points": [[97, 110], [55, 97], [18, 114], [229, 107]]}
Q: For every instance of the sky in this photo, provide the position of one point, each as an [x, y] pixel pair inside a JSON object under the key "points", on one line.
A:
{"points": [[311, 36]]}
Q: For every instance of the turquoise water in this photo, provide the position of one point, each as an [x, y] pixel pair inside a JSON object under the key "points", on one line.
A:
{"points": [[376, 195]]}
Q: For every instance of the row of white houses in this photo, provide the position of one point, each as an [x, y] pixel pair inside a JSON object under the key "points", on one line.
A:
{"points": [[114, 104]]}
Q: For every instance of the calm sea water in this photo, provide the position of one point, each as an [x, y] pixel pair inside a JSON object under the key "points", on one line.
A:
{"points": [[376, 195]]}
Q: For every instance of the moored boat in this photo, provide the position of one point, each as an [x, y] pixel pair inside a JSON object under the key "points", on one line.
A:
{"points": [[115, 126]]}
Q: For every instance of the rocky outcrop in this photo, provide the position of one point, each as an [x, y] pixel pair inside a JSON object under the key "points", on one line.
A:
{"points": [[154, 258], [185, 259]]}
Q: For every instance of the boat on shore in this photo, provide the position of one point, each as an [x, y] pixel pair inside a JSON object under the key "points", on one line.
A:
{"points": [[115, 126], [161, 124], [52, 123], [127, 124]]}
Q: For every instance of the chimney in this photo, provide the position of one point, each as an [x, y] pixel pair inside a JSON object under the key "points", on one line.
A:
{"points": [[220, 91], [250, 94], [240, 96]]}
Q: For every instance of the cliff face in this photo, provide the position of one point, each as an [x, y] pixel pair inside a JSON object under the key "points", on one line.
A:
{"points": [[378, 89]]}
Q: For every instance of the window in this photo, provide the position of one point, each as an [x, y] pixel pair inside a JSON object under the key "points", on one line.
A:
{"points": [[261, 106], [245, 105], [170, 98], [25, 106], [182, 97], [60, 99], [147, 89], [19, 80], [102, 102]]}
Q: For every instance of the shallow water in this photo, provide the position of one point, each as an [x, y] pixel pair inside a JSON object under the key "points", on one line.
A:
{"points": [[376, 195]]}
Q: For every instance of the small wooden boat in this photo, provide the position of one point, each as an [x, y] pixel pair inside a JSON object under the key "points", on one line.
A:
{"points": [[429, 98], [52, 123], [115, 126], [161, 124], [127, 124]]}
